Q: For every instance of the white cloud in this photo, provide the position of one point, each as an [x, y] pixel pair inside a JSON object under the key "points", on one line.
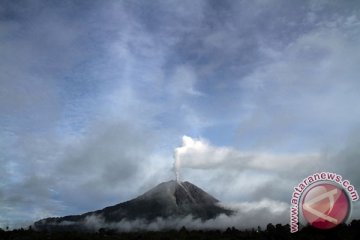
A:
{"points": [[200, 154]]}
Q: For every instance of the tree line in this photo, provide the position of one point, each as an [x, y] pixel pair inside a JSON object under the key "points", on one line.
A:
{"points": [[271, 232]]}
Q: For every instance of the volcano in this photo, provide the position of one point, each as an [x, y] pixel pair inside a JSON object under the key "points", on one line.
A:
{"points": [[166, 200]]}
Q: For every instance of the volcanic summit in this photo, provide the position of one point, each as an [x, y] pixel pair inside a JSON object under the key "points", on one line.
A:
{"points": [[166, 200]]}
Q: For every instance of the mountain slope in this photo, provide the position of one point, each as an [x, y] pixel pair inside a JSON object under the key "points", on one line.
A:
{"points": [[168, 199]]}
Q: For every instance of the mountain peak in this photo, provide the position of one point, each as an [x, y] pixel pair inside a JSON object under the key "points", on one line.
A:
{"points": [[166, 200], [180, 193]]}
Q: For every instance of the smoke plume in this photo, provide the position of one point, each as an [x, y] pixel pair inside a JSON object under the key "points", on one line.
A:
{"points": [[188, 145]]}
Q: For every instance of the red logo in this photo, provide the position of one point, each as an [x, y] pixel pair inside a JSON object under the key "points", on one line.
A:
{"points": [[325, 206]]}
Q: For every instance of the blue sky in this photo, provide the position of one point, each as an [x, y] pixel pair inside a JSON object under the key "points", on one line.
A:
{"points": [[96, 96]]}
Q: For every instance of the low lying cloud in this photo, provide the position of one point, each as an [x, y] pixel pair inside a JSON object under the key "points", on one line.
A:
{"points": [[247, 215]]}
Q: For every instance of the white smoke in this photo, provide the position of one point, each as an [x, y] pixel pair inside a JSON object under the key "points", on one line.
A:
{"points": [[191, 153], [200, 154], [176, 166], [179, 153]]}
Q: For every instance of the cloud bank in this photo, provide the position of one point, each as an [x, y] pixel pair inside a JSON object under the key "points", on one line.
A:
{"points": [[246, 217]]}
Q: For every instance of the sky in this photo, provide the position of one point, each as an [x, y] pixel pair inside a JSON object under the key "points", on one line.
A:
{"points": [[97, 98]]}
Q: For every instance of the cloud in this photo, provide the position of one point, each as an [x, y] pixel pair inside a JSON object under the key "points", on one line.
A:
{"points": [[183, 82], [200, 154], [246, 217], [304, 90], [95, 97], [249, 176], [58, 178]]}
